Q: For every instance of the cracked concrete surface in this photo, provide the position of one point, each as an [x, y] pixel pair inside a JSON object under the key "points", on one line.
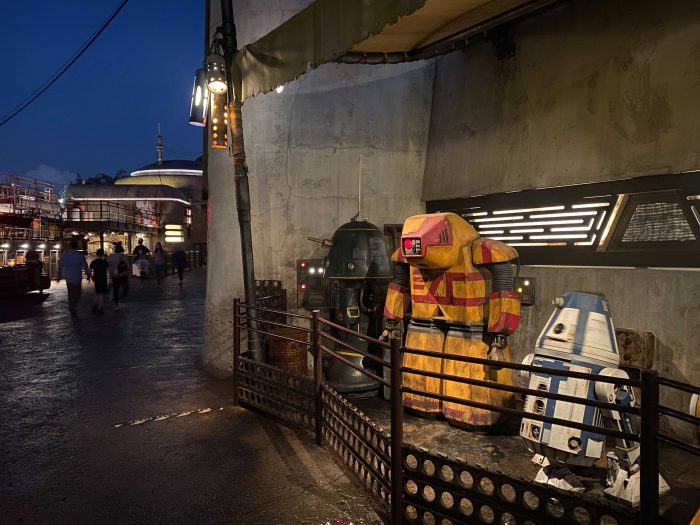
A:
{"points": [[66, 385]]}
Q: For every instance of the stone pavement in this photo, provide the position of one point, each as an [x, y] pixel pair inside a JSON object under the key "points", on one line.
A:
{"points": [[110, 420]]}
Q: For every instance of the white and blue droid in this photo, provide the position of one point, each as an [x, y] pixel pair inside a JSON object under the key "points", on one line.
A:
{"points": [[580, 337]]}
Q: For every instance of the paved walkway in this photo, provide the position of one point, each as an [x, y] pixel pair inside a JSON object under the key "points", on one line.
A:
{"points": [[110, 420]]}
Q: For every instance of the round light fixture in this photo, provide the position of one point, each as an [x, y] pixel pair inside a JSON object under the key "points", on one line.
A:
{"points": [[216, 71]]}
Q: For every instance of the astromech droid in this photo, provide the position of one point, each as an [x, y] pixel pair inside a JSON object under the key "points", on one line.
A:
{"points": [[580, 337], [358, 267]]}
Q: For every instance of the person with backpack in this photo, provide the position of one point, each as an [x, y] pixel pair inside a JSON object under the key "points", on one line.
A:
{"points": [[119, 270]]}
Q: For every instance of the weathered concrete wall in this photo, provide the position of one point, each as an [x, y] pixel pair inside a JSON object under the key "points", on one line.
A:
{"points": [[308, 145], [597, 90], [305, 148], [664, 302]]}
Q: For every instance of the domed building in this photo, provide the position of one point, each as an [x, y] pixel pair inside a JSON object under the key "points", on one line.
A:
{"points": [[160, 202]]}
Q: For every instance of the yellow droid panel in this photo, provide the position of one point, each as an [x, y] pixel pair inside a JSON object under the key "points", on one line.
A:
{"points": [[460, 289]]}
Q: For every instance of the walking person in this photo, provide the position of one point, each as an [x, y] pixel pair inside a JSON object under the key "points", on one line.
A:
{"points": [[179, 261], [159, 261], [141, 254], [119, 270], [71, 268], [99, 268]]}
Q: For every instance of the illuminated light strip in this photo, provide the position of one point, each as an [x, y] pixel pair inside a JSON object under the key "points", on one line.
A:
{"points": [[492, 219], [475, 214], [586, 243], [693, 197], [695, 212], [584, 228], [592, 205], [490, 232], [536, 223], [537, 244], [600, 221], [572, 229], [527, 210], [611, 220], [516, 238], [172, 171], [106, 199], [528, 230], [563, 236], [565, 214]]}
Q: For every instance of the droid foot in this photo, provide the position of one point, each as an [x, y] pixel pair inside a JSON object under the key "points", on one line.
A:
{"points": [[559, 477], [623, 485]]}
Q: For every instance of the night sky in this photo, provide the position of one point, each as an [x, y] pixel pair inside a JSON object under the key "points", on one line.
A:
{"points": [[102, 115]]}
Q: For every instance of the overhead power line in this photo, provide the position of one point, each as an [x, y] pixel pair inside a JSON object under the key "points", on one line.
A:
{"points": [[18, 109]]}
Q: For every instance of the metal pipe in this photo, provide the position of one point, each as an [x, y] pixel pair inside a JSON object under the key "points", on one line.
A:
{"points": [[521, 390], [282, 325], [649, 449], [353, 365], [341, 328], [396, 433], [280, 312], [693, 420], [263, 332], [695, 450], [236, 349], [318, 377], [240, 168], [527, 368], [353, 349], [680, 386], [516, 412]]}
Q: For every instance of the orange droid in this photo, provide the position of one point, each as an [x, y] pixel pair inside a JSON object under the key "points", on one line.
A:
{"points": [[461, 292]]}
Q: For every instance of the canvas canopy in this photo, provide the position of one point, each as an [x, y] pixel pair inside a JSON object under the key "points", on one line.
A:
{"points": [[364, 31]]}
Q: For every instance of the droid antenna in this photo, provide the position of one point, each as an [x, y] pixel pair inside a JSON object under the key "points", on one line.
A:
{"points": [[358, 216]]}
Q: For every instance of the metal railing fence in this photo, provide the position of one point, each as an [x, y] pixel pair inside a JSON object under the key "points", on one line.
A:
{"points": [[321, 332]]}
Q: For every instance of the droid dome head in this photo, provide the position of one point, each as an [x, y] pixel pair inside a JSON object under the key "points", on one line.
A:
{"points": [[435, 240], [580, 329], [358, 251]]}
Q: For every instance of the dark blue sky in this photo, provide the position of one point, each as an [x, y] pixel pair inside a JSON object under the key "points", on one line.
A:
{"points": [[101, 116]]}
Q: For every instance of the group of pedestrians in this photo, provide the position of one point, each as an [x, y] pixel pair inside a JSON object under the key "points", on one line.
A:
{"points": [[73, 263]]}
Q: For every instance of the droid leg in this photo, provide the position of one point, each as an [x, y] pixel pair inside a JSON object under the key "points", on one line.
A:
{"points": [[623, 466], [624, 476], [556, 476]]}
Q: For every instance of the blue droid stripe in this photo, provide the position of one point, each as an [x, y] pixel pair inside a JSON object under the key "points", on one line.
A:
{"points": [[585, 301], [580, 332]]}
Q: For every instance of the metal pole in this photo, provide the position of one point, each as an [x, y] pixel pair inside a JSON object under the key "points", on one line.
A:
{"points": [[318, 376], [396, 433], [240, 168], [649, 448], [236, 347]]}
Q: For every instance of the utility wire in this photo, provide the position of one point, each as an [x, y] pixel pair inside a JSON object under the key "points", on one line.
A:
{"points": [[18, 109]]}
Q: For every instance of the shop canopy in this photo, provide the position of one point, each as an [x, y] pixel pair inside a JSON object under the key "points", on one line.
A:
{"points": [[367, 31]]}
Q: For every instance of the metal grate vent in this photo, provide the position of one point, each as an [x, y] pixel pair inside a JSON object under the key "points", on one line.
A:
{"points": [[658, 222]]}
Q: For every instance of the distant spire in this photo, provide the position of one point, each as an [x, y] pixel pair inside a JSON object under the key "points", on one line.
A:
{"points": [[159, 147]]}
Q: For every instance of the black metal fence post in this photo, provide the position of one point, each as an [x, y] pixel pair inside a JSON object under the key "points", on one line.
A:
{"points": [[236, 347], [318, 375], [649, 448], [396, 433]]}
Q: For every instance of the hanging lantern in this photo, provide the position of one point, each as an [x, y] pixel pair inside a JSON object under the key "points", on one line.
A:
{"points": [[219, 121], [200, 99], [216, 73]]}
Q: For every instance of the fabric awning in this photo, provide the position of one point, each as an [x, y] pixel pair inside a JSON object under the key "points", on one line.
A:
{"points": [[328, 30]]}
